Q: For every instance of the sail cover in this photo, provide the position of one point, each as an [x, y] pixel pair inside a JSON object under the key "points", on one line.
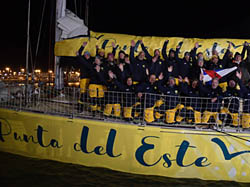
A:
{"points": [[71, 25]]}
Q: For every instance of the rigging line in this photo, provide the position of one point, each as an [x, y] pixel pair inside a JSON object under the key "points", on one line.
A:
{"points": [[27, 44], [80, 5], [39, 33], [75, 6], [232, 135], [230, 100], [52, 17], [31, 58]]}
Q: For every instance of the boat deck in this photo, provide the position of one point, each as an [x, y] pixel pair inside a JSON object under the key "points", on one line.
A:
{"points": [[70, 103]]}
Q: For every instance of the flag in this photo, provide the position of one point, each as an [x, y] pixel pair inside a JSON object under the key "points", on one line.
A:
{"points": [[219, 73]]}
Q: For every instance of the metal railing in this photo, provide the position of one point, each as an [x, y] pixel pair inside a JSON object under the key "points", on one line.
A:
{"points": [[148, 109]]}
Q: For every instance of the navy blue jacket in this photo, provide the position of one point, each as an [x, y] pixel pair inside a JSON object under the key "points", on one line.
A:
{"points": [[128, 95], [191, 95], [209, 92], [150, 93], [169, 61], [112, 95], [232, 103], [246, 102], [137, 67], [157, 67], [171, 95], [184, 67], [94, 75], [84, 69]]}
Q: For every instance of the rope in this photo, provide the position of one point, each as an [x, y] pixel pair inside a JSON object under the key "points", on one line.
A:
{"points": [[39, 34], [232, 135]]}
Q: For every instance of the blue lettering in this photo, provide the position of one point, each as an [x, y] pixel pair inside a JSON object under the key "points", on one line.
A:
{"points": [[225, 151], [234, 46], [40, 136], [137, 45], [1, 134], [181, 153], [143, 149], [167, 160], [98, 37], [124, 48], [199, 162], [1, 129], [25, 138], [214, 46], [84, 139], [76, 145], [110, 143], [104, 44], [54, 143], [99, 150]]}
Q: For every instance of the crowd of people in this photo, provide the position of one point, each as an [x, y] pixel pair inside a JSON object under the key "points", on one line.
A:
{"points": [[166, 86]]}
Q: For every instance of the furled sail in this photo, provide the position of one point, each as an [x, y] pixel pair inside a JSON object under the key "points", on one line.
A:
{"points": [[71, 25]]}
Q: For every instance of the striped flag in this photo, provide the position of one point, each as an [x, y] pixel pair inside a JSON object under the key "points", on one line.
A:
{"points": [[210, 74]]}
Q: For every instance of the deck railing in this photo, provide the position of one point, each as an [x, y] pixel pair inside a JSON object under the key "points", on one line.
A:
{"points": [[149, 109]]}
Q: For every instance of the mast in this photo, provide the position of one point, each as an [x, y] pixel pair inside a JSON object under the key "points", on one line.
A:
{"points": [[28, 45], [60, 12]]}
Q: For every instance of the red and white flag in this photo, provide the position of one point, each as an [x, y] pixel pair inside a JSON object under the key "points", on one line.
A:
{"points": [[210, 74]]}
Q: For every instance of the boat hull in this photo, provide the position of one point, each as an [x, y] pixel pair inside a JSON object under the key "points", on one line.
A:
{"points": [[148, 150]]}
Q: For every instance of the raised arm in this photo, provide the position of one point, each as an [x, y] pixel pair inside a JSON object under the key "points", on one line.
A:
{"points": [[81, 49], [193, 53], [148, 56], [177, 51], [97, 50], [161, 88], [114, 48], [226, 55], [132, 51], [164, 49], [245, 46]]}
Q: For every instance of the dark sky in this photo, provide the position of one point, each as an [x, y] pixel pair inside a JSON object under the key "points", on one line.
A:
{"points": [[204, 19]]}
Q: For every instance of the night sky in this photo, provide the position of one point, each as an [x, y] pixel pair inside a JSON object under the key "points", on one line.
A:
{"points": [[203, 19]]}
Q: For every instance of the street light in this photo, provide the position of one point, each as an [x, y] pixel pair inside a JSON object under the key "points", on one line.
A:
{"points": [[37, 71], [50, 73]]}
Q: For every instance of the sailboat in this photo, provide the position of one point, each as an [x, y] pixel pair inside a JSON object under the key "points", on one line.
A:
{"points": [[56, 124]]}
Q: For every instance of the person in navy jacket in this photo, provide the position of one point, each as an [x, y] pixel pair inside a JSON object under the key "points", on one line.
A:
{"points": [[138, 65], [214, 102]]}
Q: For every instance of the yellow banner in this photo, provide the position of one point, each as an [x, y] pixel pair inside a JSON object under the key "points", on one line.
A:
{"points": [[123, 41], [129, 148]]}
